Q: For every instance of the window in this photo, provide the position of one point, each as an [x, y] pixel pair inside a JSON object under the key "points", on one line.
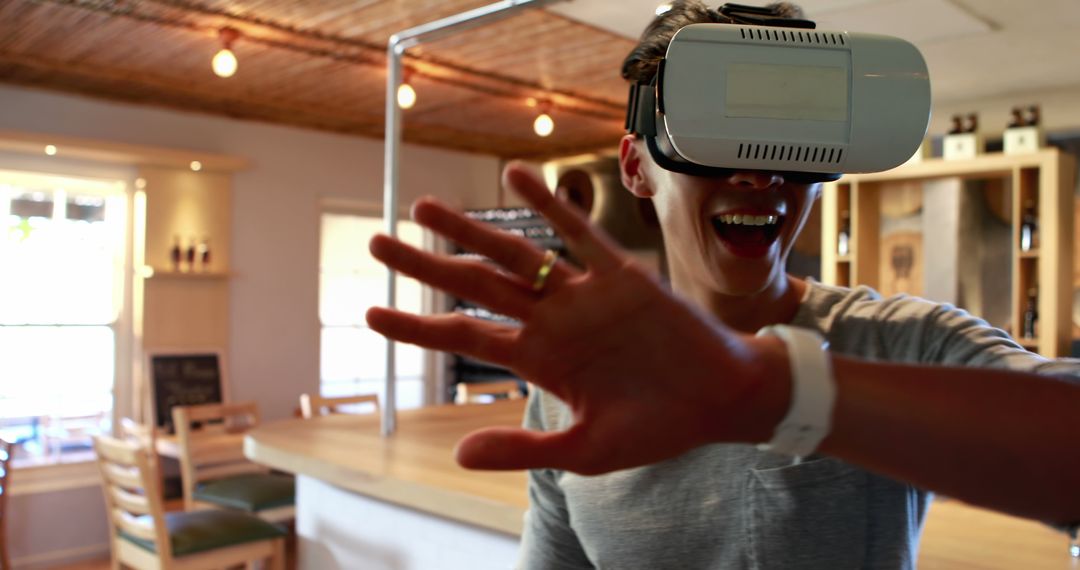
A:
{"points": [[62, 249], [353, 357]]}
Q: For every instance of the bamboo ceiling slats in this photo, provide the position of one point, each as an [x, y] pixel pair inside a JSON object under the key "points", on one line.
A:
{"points": [[321, 64]]}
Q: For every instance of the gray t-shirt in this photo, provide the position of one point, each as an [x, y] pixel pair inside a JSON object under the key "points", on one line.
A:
{"points": [[732, 506]]}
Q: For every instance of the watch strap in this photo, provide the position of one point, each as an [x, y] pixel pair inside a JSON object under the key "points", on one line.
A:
{"points": [[813, 392]]}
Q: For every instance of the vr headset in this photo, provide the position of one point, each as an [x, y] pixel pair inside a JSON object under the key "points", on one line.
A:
{"points": [[774, 94]]}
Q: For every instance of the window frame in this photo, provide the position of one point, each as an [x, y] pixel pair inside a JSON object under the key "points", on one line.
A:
{"points": [[43, 476], [435, 374]]}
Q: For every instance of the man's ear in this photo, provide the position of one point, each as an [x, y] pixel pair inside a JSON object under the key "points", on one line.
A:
{"points": [[632, 168]]}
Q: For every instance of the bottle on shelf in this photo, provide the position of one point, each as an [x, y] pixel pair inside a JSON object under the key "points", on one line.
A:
{"points": [[1034, 116], [1031, 314], [203, 251], [957, 125], [1029, 227], [175, 254], [1017, 119], [843, 241], [190, 257]]}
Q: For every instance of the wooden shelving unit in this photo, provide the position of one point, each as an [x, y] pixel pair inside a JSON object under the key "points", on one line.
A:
{"points": [[1045, 178]]}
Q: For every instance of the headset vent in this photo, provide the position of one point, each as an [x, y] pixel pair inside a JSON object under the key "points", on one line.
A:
{"points": [[791, 153], [792, 36]]}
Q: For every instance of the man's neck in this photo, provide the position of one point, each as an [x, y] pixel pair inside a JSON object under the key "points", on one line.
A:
{"points": [[776, 304]]}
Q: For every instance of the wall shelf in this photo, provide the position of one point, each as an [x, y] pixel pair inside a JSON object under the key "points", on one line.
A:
{"points": [[1043, 180], [194, 275]]}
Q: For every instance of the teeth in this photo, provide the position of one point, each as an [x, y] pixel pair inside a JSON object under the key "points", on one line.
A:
{"points": [[747, 220]]}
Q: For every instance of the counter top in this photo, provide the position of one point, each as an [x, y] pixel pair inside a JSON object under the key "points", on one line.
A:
{"points": [[414, 468]]}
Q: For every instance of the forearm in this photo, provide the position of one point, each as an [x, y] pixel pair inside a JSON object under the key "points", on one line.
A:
{"points": [[999, 439]]}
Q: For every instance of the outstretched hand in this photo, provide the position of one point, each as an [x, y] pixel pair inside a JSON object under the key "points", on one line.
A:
{"points": [[647, 375]]}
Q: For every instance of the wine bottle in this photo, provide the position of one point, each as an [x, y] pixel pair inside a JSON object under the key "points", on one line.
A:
{"points": [[843, 241], [204, 254], [1031, 314], [175, 254], [191, 255], [957, 125], [1017, 119], [1029, 227]]}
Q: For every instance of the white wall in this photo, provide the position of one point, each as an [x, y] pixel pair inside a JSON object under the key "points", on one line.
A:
{"points": [[274, 352], [274, 246]]}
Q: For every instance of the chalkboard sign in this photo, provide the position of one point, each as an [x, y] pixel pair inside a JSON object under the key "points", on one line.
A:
{"points": [[183, 380]]}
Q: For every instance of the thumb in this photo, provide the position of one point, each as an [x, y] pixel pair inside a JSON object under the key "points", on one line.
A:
{"points": [[514, 448]]}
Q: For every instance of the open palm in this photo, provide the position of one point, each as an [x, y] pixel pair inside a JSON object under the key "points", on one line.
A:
{"points": [[646, 374]]}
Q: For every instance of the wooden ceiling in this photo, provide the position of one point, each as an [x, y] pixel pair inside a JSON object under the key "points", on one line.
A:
{"points": [[321, 64]]}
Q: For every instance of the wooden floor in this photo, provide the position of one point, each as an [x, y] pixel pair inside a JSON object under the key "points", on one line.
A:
{"points": [[956, 537]]}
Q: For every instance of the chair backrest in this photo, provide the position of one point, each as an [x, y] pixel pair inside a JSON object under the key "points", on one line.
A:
{"points": [[466, 391], [7, 451], [312, 405], [211, 442], [143, 435], [132, 493]]}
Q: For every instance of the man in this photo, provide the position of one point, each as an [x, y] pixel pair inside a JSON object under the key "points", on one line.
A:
{"points": [[643, 384]]}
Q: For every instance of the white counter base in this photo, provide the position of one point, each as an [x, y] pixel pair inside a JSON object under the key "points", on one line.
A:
{"points": [[341, 530]]}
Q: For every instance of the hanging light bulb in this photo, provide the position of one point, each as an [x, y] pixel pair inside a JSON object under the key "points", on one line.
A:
{"points": [[406, 95], [544, 125], [224, 62]]}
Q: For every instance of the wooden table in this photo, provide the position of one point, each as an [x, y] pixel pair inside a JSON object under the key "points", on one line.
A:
{"points": [[339, 458], [403, 502]]}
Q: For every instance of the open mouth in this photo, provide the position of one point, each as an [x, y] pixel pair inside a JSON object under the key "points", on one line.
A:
{"points": [[747, 234]]}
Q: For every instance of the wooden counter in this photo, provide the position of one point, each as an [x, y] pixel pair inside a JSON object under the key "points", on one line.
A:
{"points": [[414, 468]]}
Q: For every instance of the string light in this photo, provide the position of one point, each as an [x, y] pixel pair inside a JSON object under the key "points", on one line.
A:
{"points": [[406, 95], [50, 150], [224, 62], [196, 165], [544, 125]]}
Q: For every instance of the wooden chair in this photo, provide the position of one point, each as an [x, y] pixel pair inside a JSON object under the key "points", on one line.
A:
{"points": [[312, 406], [469, 391], [144, 536], [213, 470], [143, 435], [7, 451]]}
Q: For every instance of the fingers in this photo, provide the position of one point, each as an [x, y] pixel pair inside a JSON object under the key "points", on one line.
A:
{"points": [[517, 254], [483, 340], [468, 279], [588, 244], [505, 449]]}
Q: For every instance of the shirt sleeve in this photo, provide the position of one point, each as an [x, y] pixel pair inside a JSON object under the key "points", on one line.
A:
{"points": [[961, 339], [953, 337], [548, 540], [916, 331]]}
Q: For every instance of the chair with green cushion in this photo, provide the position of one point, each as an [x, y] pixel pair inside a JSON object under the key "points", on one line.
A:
{"points": [[213, 468], [144, 536]]}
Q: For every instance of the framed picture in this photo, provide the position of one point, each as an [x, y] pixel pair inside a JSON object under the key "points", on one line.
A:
{"points": [[183, 378]]}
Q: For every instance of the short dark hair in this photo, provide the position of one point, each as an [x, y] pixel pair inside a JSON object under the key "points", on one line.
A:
{"points": [[640, 66]]}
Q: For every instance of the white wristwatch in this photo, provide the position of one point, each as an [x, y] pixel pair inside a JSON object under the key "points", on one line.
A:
{"points": [[813, 392]]}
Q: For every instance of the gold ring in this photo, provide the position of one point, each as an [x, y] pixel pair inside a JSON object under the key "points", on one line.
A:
{"points": [[550, 257]]}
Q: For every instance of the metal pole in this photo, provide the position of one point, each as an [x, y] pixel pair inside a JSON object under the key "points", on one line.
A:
{"points": [[395, 52]]}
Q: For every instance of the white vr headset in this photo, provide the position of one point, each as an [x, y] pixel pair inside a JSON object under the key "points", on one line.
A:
{"points": [[809, 104]]}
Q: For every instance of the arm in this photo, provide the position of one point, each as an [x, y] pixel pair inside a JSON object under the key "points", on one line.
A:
{"points": [[601, 338], [996, 438]]}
